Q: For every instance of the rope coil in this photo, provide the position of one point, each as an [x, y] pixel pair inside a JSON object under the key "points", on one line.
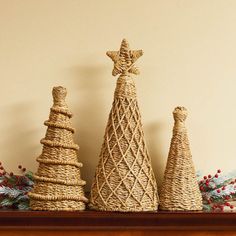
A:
{"points": [[58, 185], [58, 181]]}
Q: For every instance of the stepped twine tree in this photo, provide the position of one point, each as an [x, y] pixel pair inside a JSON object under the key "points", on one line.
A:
{"points": [[58, 185], [124, 180], [180, 190]]}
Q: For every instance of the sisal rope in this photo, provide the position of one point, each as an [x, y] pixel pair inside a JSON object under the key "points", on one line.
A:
{"points": [[180, 190], [58, 184], [124, 180]]}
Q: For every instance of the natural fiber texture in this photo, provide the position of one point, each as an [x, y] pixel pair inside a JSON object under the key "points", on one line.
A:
{"points": [[124, 179], [58, 185], [180, 190]]}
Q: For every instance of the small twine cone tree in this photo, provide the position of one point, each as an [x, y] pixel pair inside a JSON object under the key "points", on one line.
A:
{"points": [[58, 185], [124, 180], [180, 190]]}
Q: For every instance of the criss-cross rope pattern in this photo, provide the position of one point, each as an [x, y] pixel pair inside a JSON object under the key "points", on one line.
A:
{"points": [[180, 190], [124, 179], [58, 185]]}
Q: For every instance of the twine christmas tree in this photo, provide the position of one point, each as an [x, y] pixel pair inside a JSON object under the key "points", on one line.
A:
{"points": [[124, 179], [58, 185], [180, 190]]}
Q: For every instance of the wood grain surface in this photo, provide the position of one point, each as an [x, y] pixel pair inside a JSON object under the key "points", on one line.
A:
{"points": [[110, 221]]}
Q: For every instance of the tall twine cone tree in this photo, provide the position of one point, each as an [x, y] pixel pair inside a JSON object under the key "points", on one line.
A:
{"points": [[180, 190], [124, 180], [58, 185]]}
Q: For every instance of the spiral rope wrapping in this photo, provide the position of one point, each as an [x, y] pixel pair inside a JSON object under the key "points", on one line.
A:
{"points": [[180, 190], [124, 180], [58, 184]]}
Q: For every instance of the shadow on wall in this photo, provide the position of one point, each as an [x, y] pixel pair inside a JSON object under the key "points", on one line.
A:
{"points": [[90, 88], [155, 149], [20, 137]]}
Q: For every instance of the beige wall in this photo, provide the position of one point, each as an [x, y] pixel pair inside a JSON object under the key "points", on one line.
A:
{"points": [[189, 59]]}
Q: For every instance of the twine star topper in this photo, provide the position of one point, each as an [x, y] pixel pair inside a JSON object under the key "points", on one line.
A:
{"points": [[124, 59]]}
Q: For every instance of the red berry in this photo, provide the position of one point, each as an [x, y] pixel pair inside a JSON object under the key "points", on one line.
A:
{"points": [[19, 166], [216, 175], [223, 188], [201, 188], [209, 176], [231, 207], [205, 177], [207, 184], [227, 204], [219, 171], [218, 190]]}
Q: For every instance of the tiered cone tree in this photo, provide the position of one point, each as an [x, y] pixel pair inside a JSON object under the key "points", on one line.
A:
{"points": [[180, 190], [124, 179], [58, 185]]}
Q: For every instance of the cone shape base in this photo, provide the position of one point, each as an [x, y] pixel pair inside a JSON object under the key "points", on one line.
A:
{"points": [[180, 190], [124, 179], [58, 184]]}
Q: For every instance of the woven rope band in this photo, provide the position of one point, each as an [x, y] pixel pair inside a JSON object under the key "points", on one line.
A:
{"points": [[57, 144], [54, 162], [56, 198], [56, 125], [56, 181], [62, 111]]}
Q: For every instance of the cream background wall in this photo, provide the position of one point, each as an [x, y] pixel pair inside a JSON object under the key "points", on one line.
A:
{"points": [[189, 59]]}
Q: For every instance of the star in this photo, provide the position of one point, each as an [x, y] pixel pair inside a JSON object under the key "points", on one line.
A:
{"points": [[124, 59]]}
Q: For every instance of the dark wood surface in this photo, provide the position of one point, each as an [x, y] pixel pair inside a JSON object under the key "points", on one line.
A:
{"points": [[92, 220]]}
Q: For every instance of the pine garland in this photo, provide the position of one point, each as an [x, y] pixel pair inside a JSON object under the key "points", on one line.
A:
{"points": [[218, 192], [14, 188]]}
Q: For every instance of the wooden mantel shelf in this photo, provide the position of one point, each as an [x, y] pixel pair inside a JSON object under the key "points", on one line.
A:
{"points": [[91, 220]]}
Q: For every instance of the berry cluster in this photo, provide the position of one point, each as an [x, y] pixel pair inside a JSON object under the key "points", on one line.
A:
{"points": [[14, 188], [217, 195], [10, 179]]}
